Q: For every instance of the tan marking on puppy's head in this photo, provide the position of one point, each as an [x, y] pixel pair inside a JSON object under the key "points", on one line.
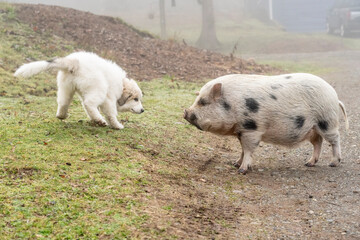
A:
{"points": [[131, 98]]}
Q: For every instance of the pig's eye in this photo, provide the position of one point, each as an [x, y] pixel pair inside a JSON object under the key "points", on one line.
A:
{"points": [[136, 99], [202, 102]]}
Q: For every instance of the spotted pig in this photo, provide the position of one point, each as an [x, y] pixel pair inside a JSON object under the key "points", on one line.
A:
{"points": [[284, 110]]}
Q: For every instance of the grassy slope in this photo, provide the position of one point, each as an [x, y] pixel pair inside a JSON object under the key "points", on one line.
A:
{"points": [[67, 178]]}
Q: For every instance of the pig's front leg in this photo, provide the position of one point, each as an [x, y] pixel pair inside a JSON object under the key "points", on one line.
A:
{"points": [[238, 163], [249, 142]]}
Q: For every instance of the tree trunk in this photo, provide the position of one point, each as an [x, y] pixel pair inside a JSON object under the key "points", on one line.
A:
{"points": [[208, 38], [162, 20]]}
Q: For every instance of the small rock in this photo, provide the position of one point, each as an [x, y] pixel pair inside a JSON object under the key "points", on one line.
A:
{"points": [[237, 191], [311, 212]]}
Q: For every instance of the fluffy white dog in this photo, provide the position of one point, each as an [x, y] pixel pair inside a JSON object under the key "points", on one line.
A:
{"points": [[101, 84]]}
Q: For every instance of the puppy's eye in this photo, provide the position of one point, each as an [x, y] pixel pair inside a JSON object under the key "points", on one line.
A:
{"points": [[136, 99], [202, 102]]}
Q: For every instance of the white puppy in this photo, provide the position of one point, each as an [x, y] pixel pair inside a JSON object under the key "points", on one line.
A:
{"points": [[101, 84]]}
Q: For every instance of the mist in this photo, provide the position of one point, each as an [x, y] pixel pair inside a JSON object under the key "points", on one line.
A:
{"points": [[237, 23]]}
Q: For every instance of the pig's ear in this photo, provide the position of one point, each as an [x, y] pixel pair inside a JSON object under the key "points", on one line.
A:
{"points": [[215, 92]]}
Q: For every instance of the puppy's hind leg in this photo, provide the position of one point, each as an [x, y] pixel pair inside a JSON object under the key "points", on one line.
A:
{"points": [[110, 111], [65, 95]]}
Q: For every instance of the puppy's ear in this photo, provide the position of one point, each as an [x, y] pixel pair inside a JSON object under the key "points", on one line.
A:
{"points": [[123, 99]]}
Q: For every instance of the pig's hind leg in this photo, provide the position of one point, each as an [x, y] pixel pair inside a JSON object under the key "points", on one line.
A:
{"points": [[330, 132], [249, 142], [334, 139]]}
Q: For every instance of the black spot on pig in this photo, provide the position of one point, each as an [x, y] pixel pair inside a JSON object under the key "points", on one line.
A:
{"points": [[225, 105], [323, 125], [246, 114], [288, 77], [299, 121], [273, 96], [252, 105], [250, 124]]}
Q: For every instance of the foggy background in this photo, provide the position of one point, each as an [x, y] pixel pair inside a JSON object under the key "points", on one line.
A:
{"points": [[295, 15], [236, 21]]}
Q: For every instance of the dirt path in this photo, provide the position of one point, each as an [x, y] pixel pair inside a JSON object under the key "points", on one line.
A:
{"points": [[291, 201], [280, 198]]}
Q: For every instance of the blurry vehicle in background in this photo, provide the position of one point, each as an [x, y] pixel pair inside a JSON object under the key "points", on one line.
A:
{"points": [[344, 17]]}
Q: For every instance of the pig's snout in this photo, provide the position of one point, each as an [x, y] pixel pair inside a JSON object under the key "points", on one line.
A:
{"points": [[185, 114], [191, 118]]}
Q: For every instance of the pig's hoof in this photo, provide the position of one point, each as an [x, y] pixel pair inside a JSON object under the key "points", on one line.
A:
{"points": [[335, 163], [236, 164], [309, 164], [243, 171]]}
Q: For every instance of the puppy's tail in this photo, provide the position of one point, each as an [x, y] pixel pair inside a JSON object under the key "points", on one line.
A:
{"points": [[343, 109], [33, 68]]}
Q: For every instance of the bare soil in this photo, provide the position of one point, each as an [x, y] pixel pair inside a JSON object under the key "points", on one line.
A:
{"points": [[280, 198], [140, 54]]}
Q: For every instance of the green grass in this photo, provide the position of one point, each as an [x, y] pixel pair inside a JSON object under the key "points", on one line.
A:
{"points": [[298, 66], [69, 179]]}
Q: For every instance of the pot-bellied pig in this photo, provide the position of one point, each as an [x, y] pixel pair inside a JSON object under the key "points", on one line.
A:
{"points": [[285, 110]]}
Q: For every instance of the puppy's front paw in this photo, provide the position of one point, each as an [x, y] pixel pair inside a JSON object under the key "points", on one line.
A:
{"points": [[100, 123], [62, 116], [117, 126]]}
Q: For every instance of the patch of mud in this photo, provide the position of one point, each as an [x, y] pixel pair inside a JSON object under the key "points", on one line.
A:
{"points": [[21, 173]]}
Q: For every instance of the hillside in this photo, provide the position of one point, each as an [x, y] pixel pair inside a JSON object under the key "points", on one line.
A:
{"points": [[141, 55]]}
